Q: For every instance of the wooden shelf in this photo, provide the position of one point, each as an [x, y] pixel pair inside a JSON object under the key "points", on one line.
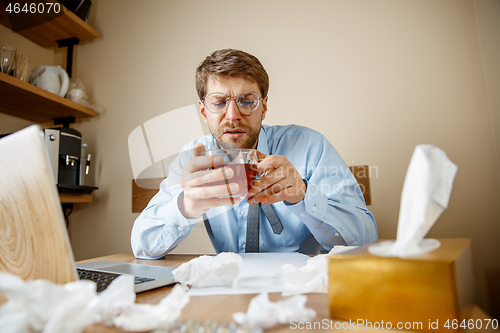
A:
{"points": [[75, 198], [65, 26], [24, 100]]}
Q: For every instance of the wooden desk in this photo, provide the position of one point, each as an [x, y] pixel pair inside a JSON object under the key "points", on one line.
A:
{"points": [[221, 307]]}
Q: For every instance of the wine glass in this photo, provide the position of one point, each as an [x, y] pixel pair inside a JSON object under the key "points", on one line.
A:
{"points": [[7, 57]]}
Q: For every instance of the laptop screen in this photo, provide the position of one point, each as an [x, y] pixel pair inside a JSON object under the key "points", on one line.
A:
{"points": [[34, 243]]}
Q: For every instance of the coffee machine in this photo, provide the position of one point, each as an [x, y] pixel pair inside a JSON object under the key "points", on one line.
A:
{"points": [[64, 146]]}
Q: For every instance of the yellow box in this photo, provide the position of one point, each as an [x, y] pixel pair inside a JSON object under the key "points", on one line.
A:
{"points": [[432, 289]]}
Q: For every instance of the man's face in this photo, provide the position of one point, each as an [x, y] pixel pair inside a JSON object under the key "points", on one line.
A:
{"points": [[234, 129]]}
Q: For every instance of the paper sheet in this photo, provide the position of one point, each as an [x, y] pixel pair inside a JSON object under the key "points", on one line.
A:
{"points": [[260, 272]]}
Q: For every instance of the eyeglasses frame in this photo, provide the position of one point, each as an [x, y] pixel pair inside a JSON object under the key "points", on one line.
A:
{"points": [[228, 101]]}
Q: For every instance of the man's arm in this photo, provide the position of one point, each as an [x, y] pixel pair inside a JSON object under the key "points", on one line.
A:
{"points": [[182, 199], [332, 207], [161, 226], [336, 217]]}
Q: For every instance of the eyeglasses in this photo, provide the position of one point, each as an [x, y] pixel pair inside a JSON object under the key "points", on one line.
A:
{"points": [[217, 103]]}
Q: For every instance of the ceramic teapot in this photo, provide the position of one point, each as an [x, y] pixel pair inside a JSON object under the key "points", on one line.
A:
{"points": [[53, 79]]}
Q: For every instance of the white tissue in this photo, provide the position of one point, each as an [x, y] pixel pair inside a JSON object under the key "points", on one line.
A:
{"points": [[426, 192], [265, 314], [311, 278], [117, 296], [41, 305], [209, 271], [146, 317]]}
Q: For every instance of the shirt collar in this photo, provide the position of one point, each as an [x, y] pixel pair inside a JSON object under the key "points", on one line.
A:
{"points": [[262, 144]]}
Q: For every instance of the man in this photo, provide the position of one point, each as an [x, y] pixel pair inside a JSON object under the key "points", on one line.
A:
{"points": [[306, 199]]}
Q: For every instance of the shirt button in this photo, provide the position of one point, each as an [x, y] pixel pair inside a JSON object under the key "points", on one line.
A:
{"points": [[337, 234], [314, 208], [180, 228], [302, 214], [244, 246], [242, 212]]}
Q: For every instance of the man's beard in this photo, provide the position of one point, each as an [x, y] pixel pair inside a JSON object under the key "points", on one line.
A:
{"points": [[248, 142]]}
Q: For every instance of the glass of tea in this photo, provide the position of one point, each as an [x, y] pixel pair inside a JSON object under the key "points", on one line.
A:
{"points": [[244, 164]]}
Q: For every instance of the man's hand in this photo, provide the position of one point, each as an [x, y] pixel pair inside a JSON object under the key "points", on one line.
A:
{"points": [[198, 196], [281, 181]]}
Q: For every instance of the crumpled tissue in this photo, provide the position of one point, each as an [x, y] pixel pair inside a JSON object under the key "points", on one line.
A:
{"points": [[145, 317], [209, 271], [311, 278], [426, 193], [41, 305], [265, 314]]}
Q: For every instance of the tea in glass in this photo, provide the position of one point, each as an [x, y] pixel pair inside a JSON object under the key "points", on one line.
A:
{"points": [[243, 162]]}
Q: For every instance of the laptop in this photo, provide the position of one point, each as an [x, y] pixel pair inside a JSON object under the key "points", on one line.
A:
{"points": [[34, 242]]}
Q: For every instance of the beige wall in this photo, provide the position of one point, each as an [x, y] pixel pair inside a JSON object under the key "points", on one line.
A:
{"points": [[488, 26], [376, 77]]}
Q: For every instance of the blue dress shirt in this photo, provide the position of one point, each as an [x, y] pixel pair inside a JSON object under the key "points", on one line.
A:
{"points": [[333, 211]]}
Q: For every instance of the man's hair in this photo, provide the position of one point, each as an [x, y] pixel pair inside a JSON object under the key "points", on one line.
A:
{"points": [[232, 63]]}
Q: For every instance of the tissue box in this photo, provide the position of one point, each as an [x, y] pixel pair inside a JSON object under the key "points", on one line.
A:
{"points": [[428, 292]]}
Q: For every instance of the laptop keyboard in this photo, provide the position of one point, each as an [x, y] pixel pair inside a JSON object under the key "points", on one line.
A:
{"points": [[103, 279]]}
